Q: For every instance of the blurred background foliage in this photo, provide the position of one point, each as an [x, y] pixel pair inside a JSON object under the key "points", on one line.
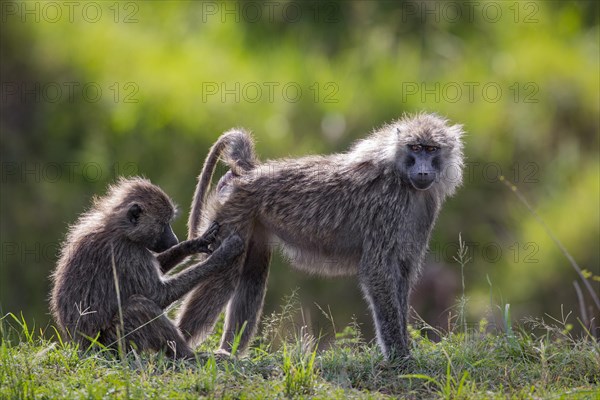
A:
{"points": [[93, 90]]}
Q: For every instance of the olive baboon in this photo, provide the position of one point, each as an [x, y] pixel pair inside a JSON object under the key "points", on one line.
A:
{"points": [[369, 211], [120, 231]]}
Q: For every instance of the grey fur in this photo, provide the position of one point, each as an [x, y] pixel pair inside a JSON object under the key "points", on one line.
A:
{"points": [[84, 295], [237, 150], [358, 212]]}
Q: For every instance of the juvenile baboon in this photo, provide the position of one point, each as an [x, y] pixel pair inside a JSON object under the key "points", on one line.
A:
{"points": [[369, 211], [120, 231]]}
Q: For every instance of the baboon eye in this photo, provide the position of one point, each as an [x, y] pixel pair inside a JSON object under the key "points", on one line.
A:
{"points": [[431, 149], [134, 212], [415, 147]]}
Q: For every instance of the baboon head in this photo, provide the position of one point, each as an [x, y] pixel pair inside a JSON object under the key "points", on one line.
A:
{"points": [[429, 152], [142, 212]]}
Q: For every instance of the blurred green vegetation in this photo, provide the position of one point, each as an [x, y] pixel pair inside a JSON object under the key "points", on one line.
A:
{"points": [[93, 90]]}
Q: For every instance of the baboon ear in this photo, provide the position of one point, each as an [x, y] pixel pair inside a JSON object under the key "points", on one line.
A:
{"points": [[134, 212]]}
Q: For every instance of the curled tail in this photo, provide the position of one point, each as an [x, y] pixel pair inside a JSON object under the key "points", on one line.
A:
{"points": [[236, 148]]}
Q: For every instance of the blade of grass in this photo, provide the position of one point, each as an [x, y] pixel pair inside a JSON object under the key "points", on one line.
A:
{"points": [[558, 243]]}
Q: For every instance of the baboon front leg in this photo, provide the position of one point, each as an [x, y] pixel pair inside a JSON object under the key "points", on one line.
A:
{"points": [[147, 328], [247, 302], [403, 292], [387, 292], [173, 256], [203, 305], [220, 261]]}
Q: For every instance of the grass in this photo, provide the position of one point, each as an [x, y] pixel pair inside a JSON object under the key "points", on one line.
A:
{"points": [[549, 363], [535, 360]]}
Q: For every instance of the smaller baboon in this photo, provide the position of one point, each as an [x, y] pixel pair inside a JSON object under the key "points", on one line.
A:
{"points": [[107, 273], [367, 212]]}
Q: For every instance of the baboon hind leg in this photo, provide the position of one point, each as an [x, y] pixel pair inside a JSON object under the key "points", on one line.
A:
{"points": [[147, 328], [247, 302]]}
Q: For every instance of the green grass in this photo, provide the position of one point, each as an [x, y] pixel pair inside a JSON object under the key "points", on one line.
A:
{"points": [[549, 363]]}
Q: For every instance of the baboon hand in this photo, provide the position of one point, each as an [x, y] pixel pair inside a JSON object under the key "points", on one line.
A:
{"points": [[231, 247], [211, 233], [201, 244]]}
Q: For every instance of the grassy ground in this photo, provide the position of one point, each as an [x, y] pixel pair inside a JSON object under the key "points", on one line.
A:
{"points": [[516, 364]]}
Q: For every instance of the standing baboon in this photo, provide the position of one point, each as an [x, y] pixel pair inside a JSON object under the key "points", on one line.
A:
{"points": [[369, 211], [118, 234]]}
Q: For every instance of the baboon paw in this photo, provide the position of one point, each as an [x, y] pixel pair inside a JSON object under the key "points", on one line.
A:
{"points": [[222, 354], [219, 355], [406, 363], [200, 246], [401, 360], [211, 233]]}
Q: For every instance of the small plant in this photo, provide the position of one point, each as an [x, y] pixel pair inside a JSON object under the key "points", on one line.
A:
{"points": [[22, 330], [276, 326], [121, 324], [449, 387], [462, 258], [299, 372], [207, 380], [236, 339], [350, 336]]}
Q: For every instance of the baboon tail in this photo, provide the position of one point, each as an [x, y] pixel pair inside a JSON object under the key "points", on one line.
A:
{"points": [[237, 149]]}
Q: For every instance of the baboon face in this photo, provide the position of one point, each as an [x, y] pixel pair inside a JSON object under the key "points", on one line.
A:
{"points": [[422, 164], [165, 240], [429, 152], [151, 228]]}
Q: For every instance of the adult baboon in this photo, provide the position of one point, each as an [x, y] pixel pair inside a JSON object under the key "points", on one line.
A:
{"points": [[117, 235], [369, 211]]}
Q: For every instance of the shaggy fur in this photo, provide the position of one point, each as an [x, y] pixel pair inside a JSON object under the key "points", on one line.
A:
{"points": [[120, 229], [357, 212]]}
